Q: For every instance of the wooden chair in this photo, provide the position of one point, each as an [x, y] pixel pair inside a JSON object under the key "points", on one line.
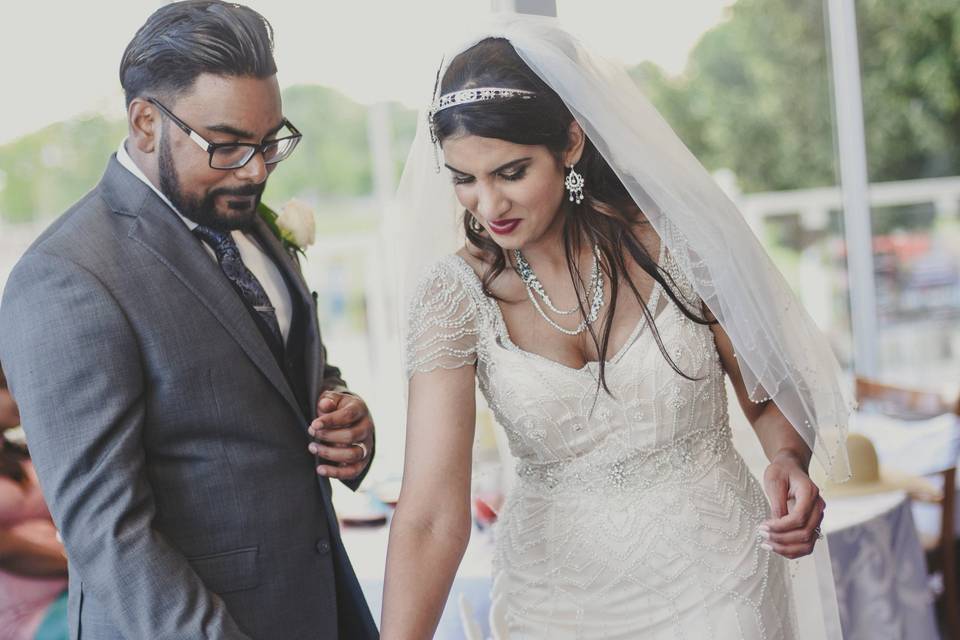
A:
{"points": [[940, 550], [910, 404]]}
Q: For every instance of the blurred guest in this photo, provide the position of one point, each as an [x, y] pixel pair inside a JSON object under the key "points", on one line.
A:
{"points": [[33, 567]]}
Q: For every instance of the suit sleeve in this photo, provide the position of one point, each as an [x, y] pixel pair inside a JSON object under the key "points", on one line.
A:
{"points": [[74, 367]]}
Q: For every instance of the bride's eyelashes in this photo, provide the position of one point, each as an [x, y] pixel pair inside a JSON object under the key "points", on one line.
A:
{"points": [[514, 174], [511, 175]]}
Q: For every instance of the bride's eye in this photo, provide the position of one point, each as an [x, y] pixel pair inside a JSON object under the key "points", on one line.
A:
{"points": [[462, 179], [516, 174]]}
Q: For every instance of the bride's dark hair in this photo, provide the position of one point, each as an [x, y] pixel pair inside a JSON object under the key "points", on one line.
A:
{"points": [[607, 214]]}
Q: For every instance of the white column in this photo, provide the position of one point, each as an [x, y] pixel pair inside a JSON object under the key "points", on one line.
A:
{"points": [[380, 134], [536, 7], [947, 206], [853, 177]]}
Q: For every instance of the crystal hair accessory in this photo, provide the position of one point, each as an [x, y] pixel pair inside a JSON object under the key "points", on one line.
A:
{"points": [[468, 96], [477, 94]]}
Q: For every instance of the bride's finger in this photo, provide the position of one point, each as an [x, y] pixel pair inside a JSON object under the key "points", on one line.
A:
{"points": [[808, 498], [802, 535], [792, 551]]}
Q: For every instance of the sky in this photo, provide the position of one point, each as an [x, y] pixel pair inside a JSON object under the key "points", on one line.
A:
{"points": [[61, 57]]}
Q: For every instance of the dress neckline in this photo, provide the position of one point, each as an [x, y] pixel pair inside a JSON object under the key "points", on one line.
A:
{"points": [[504, 334]]}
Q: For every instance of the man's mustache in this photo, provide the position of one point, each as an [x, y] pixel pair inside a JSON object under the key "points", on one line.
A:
{"points": [[249, 190]]}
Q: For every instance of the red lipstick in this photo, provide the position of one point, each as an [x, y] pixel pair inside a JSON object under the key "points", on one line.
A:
{"points": [[504, 227]]}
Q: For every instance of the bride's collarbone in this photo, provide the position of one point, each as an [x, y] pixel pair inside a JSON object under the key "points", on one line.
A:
{"points": [[529, 332]]}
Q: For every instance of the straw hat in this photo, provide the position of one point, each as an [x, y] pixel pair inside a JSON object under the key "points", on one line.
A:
{"points": [[868, 477]]}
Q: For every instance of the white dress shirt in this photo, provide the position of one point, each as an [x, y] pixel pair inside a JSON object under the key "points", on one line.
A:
{"points": [[253, 256]]}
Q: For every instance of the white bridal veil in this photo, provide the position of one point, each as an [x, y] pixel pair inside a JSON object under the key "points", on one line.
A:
{"points": [[781, 352]]}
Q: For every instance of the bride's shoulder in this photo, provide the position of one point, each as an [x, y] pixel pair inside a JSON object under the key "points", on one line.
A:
{"points": [[449, 294], [450, 267], [451, 274], [461, 267], [470, 259]]}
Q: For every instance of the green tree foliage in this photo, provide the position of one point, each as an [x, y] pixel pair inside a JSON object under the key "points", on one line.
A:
{"points": [[911, 87], [43, 173], [756, 94], [333, 160], [754, 98], [333, 157]]}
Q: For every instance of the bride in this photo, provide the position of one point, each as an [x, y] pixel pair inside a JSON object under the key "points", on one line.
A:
{"points": [[603, 289]]}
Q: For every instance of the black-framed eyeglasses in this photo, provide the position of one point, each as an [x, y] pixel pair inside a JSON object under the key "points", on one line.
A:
{"points": [[234, 155]]}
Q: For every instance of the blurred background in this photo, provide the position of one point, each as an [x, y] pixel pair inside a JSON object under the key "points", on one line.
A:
{"points": [[753, 87], [747, 85]]}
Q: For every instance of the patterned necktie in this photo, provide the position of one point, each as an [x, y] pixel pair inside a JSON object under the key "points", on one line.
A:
{"points": [[225, 248]]}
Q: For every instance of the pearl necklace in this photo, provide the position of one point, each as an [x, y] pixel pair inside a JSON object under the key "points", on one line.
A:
{"points": [[535, 288]]}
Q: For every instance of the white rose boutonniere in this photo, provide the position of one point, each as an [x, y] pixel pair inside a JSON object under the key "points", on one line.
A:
{"points": [[295, 225]]}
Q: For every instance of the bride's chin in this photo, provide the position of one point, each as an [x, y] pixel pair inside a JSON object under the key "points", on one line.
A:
{"points": [[507, 244]]}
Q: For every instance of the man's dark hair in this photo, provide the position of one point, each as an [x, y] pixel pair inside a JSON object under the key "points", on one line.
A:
{"points": [[183, 40]]}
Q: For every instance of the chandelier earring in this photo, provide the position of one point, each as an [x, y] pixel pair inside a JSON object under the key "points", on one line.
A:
{"points": [[574, 184]]}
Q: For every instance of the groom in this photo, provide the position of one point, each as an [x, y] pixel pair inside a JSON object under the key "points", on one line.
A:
{"points": [[165, 352]]}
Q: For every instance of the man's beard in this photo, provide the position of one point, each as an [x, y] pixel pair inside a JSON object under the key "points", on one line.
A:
{"points": [[203, 210]]}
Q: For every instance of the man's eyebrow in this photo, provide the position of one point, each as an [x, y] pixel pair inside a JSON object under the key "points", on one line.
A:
{"points": [[240, 133]]}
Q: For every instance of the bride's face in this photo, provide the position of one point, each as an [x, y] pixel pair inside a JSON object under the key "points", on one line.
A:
{"points": [[514, 191]]}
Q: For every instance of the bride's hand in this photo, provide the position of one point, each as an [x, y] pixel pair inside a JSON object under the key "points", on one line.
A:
{"points": [[797, 508]]}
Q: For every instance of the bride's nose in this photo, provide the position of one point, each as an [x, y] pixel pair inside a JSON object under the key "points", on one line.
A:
{"points": [[491, 204]]}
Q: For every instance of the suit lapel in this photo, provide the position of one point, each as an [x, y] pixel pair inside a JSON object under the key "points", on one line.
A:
{"points": [[288, 264], [161, 232], [290, 267]]}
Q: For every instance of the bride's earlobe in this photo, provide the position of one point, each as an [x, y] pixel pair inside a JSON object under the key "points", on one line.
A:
{"points": [[576, 138]]}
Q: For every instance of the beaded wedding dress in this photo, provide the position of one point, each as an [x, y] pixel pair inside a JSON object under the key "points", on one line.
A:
{"points": [[632, 515]]}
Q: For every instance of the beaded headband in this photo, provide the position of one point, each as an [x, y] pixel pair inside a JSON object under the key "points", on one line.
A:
{"points": [[470, 96], [478, 94]]}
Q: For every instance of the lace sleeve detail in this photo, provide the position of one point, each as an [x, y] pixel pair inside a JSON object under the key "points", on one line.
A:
{"points": [[443, 323]]}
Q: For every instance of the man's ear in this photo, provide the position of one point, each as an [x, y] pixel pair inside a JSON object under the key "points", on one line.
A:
{"points": [[143, 121]]}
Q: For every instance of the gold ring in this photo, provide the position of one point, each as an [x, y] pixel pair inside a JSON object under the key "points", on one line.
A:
{"points": [[363, 449]]}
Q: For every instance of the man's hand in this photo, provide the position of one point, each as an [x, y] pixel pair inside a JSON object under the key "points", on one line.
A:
{"points": [[343, 435]]}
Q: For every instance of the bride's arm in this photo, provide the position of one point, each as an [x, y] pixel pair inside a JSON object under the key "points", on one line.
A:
{"points": [[431, 524], [794, 498]]}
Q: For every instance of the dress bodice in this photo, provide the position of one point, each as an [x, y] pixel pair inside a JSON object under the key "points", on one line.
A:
{"points": [[555, 415]]}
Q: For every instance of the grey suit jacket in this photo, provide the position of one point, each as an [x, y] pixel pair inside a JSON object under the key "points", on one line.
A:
{"points": [[169, 444]]}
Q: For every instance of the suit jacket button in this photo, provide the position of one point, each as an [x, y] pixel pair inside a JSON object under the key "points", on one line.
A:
{"points": [[323, 547]]}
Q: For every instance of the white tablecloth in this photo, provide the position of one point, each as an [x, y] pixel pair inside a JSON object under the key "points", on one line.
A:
{"points": [[879, 569], [920, 447]]}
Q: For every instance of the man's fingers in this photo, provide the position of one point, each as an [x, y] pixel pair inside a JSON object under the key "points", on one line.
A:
{"points": [[344, 416], [329, 401], [360, 432], [347, 472], [342, 455]]}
